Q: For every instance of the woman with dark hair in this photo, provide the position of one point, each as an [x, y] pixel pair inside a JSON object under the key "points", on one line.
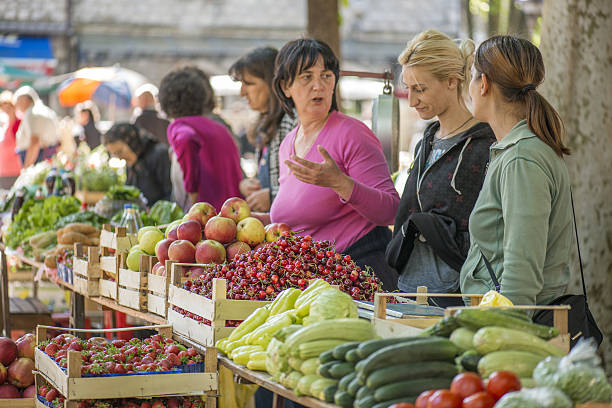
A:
{"points": [[205, 150], [148, 165], [256, 70], [522, 220], [334, 180]]}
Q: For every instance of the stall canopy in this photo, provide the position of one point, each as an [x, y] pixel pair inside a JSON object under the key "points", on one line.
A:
{"points": [[33, 54]]}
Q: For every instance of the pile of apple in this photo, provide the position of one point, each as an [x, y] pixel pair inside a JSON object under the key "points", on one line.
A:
{"points": [[205, 237], [16, 365]]}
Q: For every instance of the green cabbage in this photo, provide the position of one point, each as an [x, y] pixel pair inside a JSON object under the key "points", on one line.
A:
{"points": [[332, 304]]}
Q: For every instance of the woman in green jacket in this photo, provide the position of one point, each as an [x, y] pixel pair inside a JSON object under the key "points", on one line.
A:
{"points": [[522, 220]]}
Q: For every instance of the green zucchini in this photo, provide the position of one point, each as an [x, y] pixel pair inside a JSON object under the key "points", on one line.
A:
{"points": [[353, 387], [463, 338], [443, 328], [469, 360], [477, 318], [403, 372], [323, 369], [344, 381], [343, 399], [339, 370], [521, 363], [489, 339], [366, 402], [328, 393], [310, 366], [319, 385], [359, 365], [352, 356], [519, 314], [387, 404], [409, 388], [340, 351], [368, 347], [327, 356], [426, 349], [363, 392]]}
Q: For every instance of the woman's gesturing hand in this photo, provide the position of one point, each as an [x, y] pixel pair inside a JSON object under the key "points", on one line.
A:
{"points": [[324, 174]]}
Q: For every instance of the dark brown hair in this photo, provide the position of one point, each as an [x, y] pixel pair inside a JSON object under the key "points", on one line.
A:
{"points": [[297, 56], [516, 66], [260, 64], [182, 93]]}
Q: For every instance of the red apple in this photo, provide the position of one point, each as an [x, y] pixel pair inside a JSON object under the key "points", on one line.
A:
{"points": [[210, 251], [161, 250], [237, 248], [201, 212], [3, 373], [190, 230], [251, 231], [9, 391], [20, 372], [235, 208], [8, 351], [26, 345], [181, 251], [275, 230], [220, 229], [158, 269], [29, 392]]}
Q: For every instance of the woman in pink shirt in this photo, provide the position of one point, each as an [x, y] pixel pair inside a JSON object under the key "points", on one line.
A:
{"points": [[334, 180], [10, 163]]}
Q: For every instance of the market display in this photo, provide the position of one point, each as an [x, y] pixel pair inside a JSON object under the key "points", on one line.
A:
{"points": [[16, 365]]}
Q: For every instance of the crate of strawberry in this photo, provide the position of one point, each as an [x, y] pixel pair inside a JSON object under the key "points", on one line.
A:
{"points": [[98, 369]]}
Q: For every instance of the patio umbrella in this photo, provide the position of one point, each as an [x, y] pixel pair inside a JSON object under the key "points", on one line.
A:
{"points": [[104, 85]]}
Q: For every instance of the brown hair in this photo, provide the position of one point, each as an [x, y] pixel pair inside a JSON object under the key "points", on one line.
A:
{"points": [[260, 63], [441, 56], [516, 66]]}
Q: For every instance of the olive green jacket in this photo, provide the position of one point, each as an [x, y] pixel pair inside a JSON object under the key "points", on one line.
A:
{"points": [[522, 222]]}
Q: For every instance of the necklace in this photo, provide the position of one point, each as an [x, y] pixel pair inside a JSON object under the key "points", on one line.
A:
{"points": [[460, 126]]}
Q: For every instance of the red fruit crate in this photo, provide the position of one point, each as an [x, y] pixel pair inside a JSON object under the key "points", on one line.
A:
{"points": [[132, 287], [112, 245], [86, 270], [157, 290], [74, 387], [217, 310]]}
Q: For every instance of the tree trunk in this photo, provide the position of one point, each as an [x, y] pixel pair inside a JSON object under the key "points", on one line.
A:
{"points": [[577, 51], [323, 23]]}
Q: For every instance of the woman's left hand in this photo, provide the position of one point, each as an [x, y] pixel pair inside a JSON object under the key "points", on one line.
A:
{"points": [[324, 174]]}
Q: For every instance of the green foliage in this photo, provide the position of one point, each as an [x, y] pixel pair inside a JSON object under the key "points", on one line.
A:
{"points": [[164, 212], [123, 193], [87, 217]]}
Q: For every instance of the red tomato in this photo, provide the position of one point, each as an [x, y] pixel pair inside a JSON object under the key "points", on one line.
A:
{"points": [[444, 399], [421, 401], [402, 405], [466, 384], [481, 399], [502, 382]]}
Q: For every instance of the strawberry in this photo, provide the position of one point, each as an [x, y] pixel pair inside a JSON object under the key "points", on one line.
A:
{"points": [[42, 390], [52, 349], [119, 369], [51, 395], [192, 352]]}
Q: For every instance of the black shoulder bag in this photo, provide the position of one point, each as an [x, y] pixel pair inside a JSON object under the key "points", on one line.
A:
{"points": [[581, 322]]}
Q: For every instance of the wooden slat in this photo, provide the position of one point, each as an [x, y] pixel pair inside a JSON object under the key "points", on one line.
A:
{"points": [[132, 279], [156, 304], [17, 403], [198, 332], [51, 371], [108, 289], [108, 264], [157, 284], [133, 299], [111, 304]]}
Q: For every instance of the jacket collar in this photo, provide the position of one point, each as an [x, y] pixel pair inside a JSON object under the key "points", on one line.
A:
{"points": [[519, 132]]}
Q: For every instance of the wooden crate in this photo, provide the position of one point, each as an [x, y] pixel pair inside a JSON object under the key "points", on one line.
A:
{"points": [[19, 403], [74, 387], [132, 285], [217, 310], [86, 271], [113, 243], [157, 291], [411, 326]]}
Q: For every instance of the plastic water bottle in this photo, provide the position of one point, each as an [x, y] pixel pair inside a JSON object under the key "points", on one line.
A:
{"points": [[130, 222]]}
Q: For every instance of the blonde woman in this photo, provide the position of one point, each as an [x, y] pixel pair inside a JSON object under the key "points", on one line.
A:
{"points": [[431, 236]]}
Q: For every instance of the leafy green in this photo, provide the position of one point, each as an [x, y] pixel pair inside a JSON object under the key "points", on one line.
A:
{"points": [[164, 212], [39, 215], [87, 217], [102, 179], [124, 193]]}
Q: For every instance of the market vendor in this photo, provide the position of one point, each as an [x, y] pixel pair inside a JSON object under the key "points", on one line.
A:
{"points": [[522, 220], [148, 165], [255, 70], [10, 162], [430, 237], [334, 181], [208, 158]]}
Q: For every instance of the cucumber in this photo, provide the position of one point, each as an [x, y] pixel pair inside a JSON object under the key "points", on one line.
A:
{"points": [[426, 349], [353, 387], [339, 370], [368, 347], [443, 328], [343, 399], [387, 404], [340, 351], [359, 365], [409, 388], [403, 372], [344, 381], [364, 392], [327, 356], [328, 393], [323, 369], [477, 318], [366, 402], [352, 356], [519, 314]]}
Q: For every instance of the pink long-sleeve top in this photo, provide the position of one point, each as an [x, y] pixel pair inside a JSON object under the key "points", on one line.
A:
{"points": [[319, 211], [208, 157]]}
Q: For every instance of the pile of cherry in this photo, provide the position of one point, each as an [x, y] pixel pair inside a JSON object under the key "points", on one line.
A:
{"points": [[100, 357], [289, 262]]}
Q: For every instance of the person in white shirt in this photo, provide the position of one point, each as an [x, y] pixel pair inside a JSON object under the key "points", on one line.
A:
{"points": [[38, 135]]}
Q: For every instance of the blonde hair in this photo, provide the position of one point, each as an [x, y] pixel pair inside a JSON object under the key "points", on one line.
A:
{"points": [[441, 56]]}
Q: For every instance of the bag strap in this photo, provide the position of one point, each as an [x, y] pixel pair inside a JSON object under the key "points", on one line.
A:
{"points": [[496, 282], [578, 246]]}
